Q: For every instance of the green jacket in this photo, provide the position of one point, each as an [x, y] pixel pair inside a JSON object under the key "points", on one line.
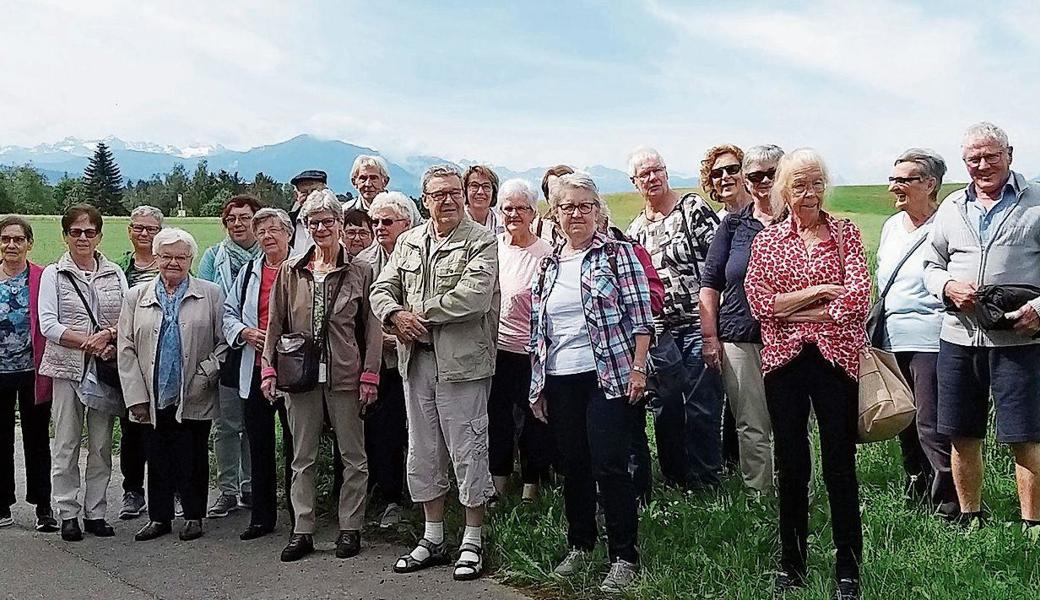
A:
{"points": [[461, 303]]}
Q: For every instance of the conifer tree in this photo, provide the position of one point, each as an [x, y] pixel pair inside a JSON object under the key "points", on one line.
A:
{"points": [[103, 183]]}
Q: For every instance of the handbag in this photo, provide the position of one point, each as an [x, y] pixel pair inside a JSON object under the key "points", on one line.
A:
{"points": [[886, 403], [876, 316], [298, 355], [668, 376], [107, 370], [229, 369], [992, 302]]}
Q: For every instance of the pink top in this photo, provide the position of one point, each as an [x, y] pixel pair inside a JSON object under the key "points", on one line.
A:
{"points": [[516, 269]]}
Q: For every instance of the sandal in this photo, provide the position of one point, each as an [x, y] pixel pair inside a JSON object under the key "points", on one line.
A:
{"points": [[438, 555], [476, 569]]}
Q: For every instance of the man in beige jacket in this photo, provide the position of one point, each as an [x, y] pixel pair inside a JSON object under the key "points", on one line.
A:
{"points": [[439, 294]]}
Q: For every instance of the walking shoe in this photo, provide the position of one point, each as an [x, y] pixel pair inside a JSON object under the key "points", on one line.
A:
{"points": [[70, 531], [572, 563], [787, 581], [972, 520], [178, 508], [621, 577], [391, 516], [848, 589], [99, 527], [299, 545], [348, 544], [222, 506], [152, 530], [133, 505], [246, 500], [192, 530], [255, 531], [5, 518], [45, 521]]}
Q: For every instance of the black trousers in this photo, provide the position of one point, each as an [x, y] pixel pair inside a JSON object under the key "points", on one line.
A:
{"points": [[926, 452], [810, 380], [178, 461], [510, 394], [386, 439], [593, 435], [19, 389], [132, 454], [258, 414]]}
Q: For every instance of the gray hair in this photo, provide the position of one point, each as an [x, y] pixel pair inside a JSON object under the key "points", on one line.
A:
{"points": [[274, 213], [640, 155], [519, 187], [929, 162], [573, 181], [321, 201], [766, 153], [397, 203], [169, 237], [368, 160], [442, 170], [986, 131], [147, 211]]}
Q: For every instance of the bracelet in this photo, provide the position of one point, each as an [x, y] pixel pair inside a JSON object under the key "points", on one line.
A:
{"points": [[639, 369]]}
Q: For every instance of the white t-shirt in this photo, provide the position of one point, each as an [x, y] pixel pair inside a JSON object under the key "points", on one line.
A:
{"points": [[913, 316], [516, 270], [570, 350]]}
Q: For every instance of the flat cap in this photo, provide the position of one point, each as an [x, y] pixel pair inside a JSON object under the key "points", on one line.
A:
{"points": [[310, 175]]}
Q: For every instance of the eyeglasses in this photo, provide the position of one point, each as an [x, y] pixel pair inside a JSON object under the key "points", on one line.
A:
{"points": [[317, 224], [473, 186], [510, 210], [760, 176], [647, 174], [583, 208], [244, 219], [386, 222], [178, 258], [15, 239], [357, 233], [76, 232], [443, 195], [975, 161], [272, 231], [366, 178], [801, 189], [151, 229], [904, 180], [717, 172]]}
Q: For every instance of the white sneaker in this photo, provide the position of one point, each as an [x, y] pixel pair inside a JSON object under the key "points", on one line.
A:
{"points": [[620, 578], [574, 561], [391, 516]]}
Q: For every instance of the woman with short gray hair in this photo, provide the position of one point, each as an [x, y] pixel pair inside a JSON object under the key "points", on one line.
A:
{"points": [[910, 322]]}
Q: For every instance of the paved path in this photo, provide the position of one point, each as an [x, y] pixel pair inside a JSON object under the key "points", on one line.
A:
{"points": [[36, 565]]}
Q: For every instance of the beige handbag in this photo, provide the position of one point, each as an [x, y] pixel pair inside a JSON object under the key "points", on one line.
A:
{"points": [[886, 403]]}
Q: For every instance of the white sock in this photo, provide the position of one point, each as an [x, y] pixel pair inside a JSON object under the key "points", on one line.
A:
{"points": [[434, 532], [471, 536]]}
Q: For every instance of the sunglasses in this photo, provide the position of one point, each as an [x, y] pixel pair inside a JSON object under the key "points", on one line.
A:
{"points": [[760, 176], [386, 222], [76, 232], [717, 172]]}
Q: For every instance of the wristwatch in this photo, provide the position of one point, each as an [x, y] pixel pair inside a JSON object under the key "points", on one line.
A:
{"points": [[639, 369]]}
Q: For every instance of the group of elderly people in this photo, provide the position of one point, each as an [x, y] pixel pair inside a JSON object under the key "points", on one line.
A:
{"points": [[493, 333]]}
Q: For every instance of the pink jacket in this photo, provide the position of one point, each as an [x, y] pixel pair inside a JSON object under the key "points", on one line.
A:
{"points": [[43, 384]]}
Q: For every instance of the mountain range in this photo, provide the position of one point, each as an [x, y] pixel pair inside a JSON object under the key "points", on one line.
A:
{"points": [[141, 160]]}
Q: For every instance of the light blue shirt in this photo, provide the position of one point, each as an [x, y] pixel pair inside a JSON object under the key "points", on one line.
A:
{"points": [[168, 360], [988, 220]]}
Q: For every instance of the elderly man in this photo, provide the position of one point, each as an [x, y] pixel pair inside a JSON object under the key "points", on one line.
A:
{"points": [[989, 234], [303, 184], [439, 294], [370, 175], [677, 231]]}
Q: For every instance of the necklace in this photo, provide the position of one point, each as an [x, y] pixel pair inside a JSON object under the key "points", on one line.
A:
{"points": [[8, 273]]}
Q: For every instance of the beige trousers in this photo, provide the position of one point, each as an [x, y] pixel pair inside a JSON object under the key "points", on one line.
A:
{"points": [[67, 413], [306, 421], [447, 427], [742, 376]]}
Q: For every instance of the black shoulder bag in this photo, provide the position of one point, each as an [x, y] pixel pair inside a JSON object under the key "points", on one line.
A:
{"points": [[298, 355], [229, 369], [107, 370], [876, 316]]}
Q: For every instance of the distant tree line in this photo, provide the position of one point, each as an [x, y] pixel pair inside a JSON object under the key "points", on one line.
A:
{"points": [[25, 190]]}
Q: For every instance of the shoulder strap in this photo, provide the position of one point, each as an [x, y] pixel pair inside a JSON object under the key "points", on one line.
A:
{"points": [[612, 252], [83, 299], [245, 285], [330, 304], [892, 279], [840, 243]]}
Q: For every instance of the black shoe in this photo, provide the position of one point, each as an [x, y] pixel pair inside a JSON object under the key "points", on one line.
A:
{"points": [[192, 530], [98, 527], [848, 589], [246, 500], [70, 531], [152, 530], [45, 521], [255, 531], [969, 520], [348, 544], [300, 545], [787, 581]]}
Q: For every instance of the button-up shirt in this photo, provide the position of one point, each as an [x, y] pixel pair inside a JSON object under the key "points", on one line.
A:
{"points": [[988, 219], [724, 271]]}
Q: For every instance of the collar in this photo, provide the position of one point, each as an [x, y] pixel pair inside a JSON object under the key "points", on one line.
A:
{"points": [[302, 263], [791, 225], [1015, 182], [149, 297]]}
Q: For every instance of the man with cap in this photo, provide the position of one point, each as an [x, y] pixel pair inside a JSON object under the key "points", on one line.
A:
{"points": [[303, 184]]}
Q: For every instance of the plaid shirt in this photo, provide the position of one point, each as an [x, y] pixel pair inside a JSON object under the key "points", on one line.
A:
{"points": [[616, 303]]}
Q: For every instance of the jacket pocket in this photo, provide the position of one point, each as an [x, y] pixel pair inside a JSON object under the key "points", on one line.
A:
{"points": [[448, 275]]}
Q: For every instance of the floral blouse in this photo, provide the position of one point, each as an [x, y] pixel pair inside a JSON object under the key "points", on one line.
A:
{"points": [[16, 354], [780, 264]]}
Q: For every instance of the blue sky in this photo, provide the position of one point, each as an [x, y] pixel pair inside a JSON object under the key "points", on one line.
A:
{"points": [[530, 83]]}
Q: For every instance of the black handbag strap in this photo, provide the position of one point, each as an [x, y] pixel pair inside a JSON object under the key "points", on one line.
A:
{"points": [[892, 279], [329, 305], [83, 299], [245, 285]]}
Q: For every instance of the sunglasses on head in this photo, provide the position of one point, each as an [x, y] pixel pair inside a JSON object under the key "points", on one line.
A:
{"points": [[717, 172], [760, 176]]}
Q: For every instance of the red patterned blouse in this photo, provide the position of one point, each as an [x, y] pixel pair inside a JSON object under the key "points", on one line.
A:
{"points": [[780, 264]]}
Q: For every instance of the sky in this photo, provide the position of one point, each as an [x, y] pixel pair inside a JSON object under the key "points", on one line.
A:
{"points": [[530, 83]]}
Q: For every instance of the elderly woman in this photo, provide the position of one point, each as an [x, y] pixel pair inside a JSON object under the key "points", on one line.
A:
{"points": [[246, 312], [386, 425], [723, 180], [520, 252], [170, 349], [320, 299], [357, 231], [591, 325], [79, 302], [480, 186], [370, 175], [21, 350], [139, 266], [221, 264], [807, 283], [912, 318], [732, 337]]}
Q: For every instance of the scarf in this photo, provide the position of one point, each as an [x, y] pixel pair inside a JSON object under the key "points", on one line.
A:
{"points": [[235, 257], [169, 363]]}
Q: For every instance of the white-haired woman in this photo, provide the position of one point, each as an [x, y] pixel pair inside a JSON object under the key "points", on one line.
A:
{"points": [[807, 283], [520, 252], [591, 325], [370, 175], [321, 299], [386, 423], [170, 349], [246, 312]]}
